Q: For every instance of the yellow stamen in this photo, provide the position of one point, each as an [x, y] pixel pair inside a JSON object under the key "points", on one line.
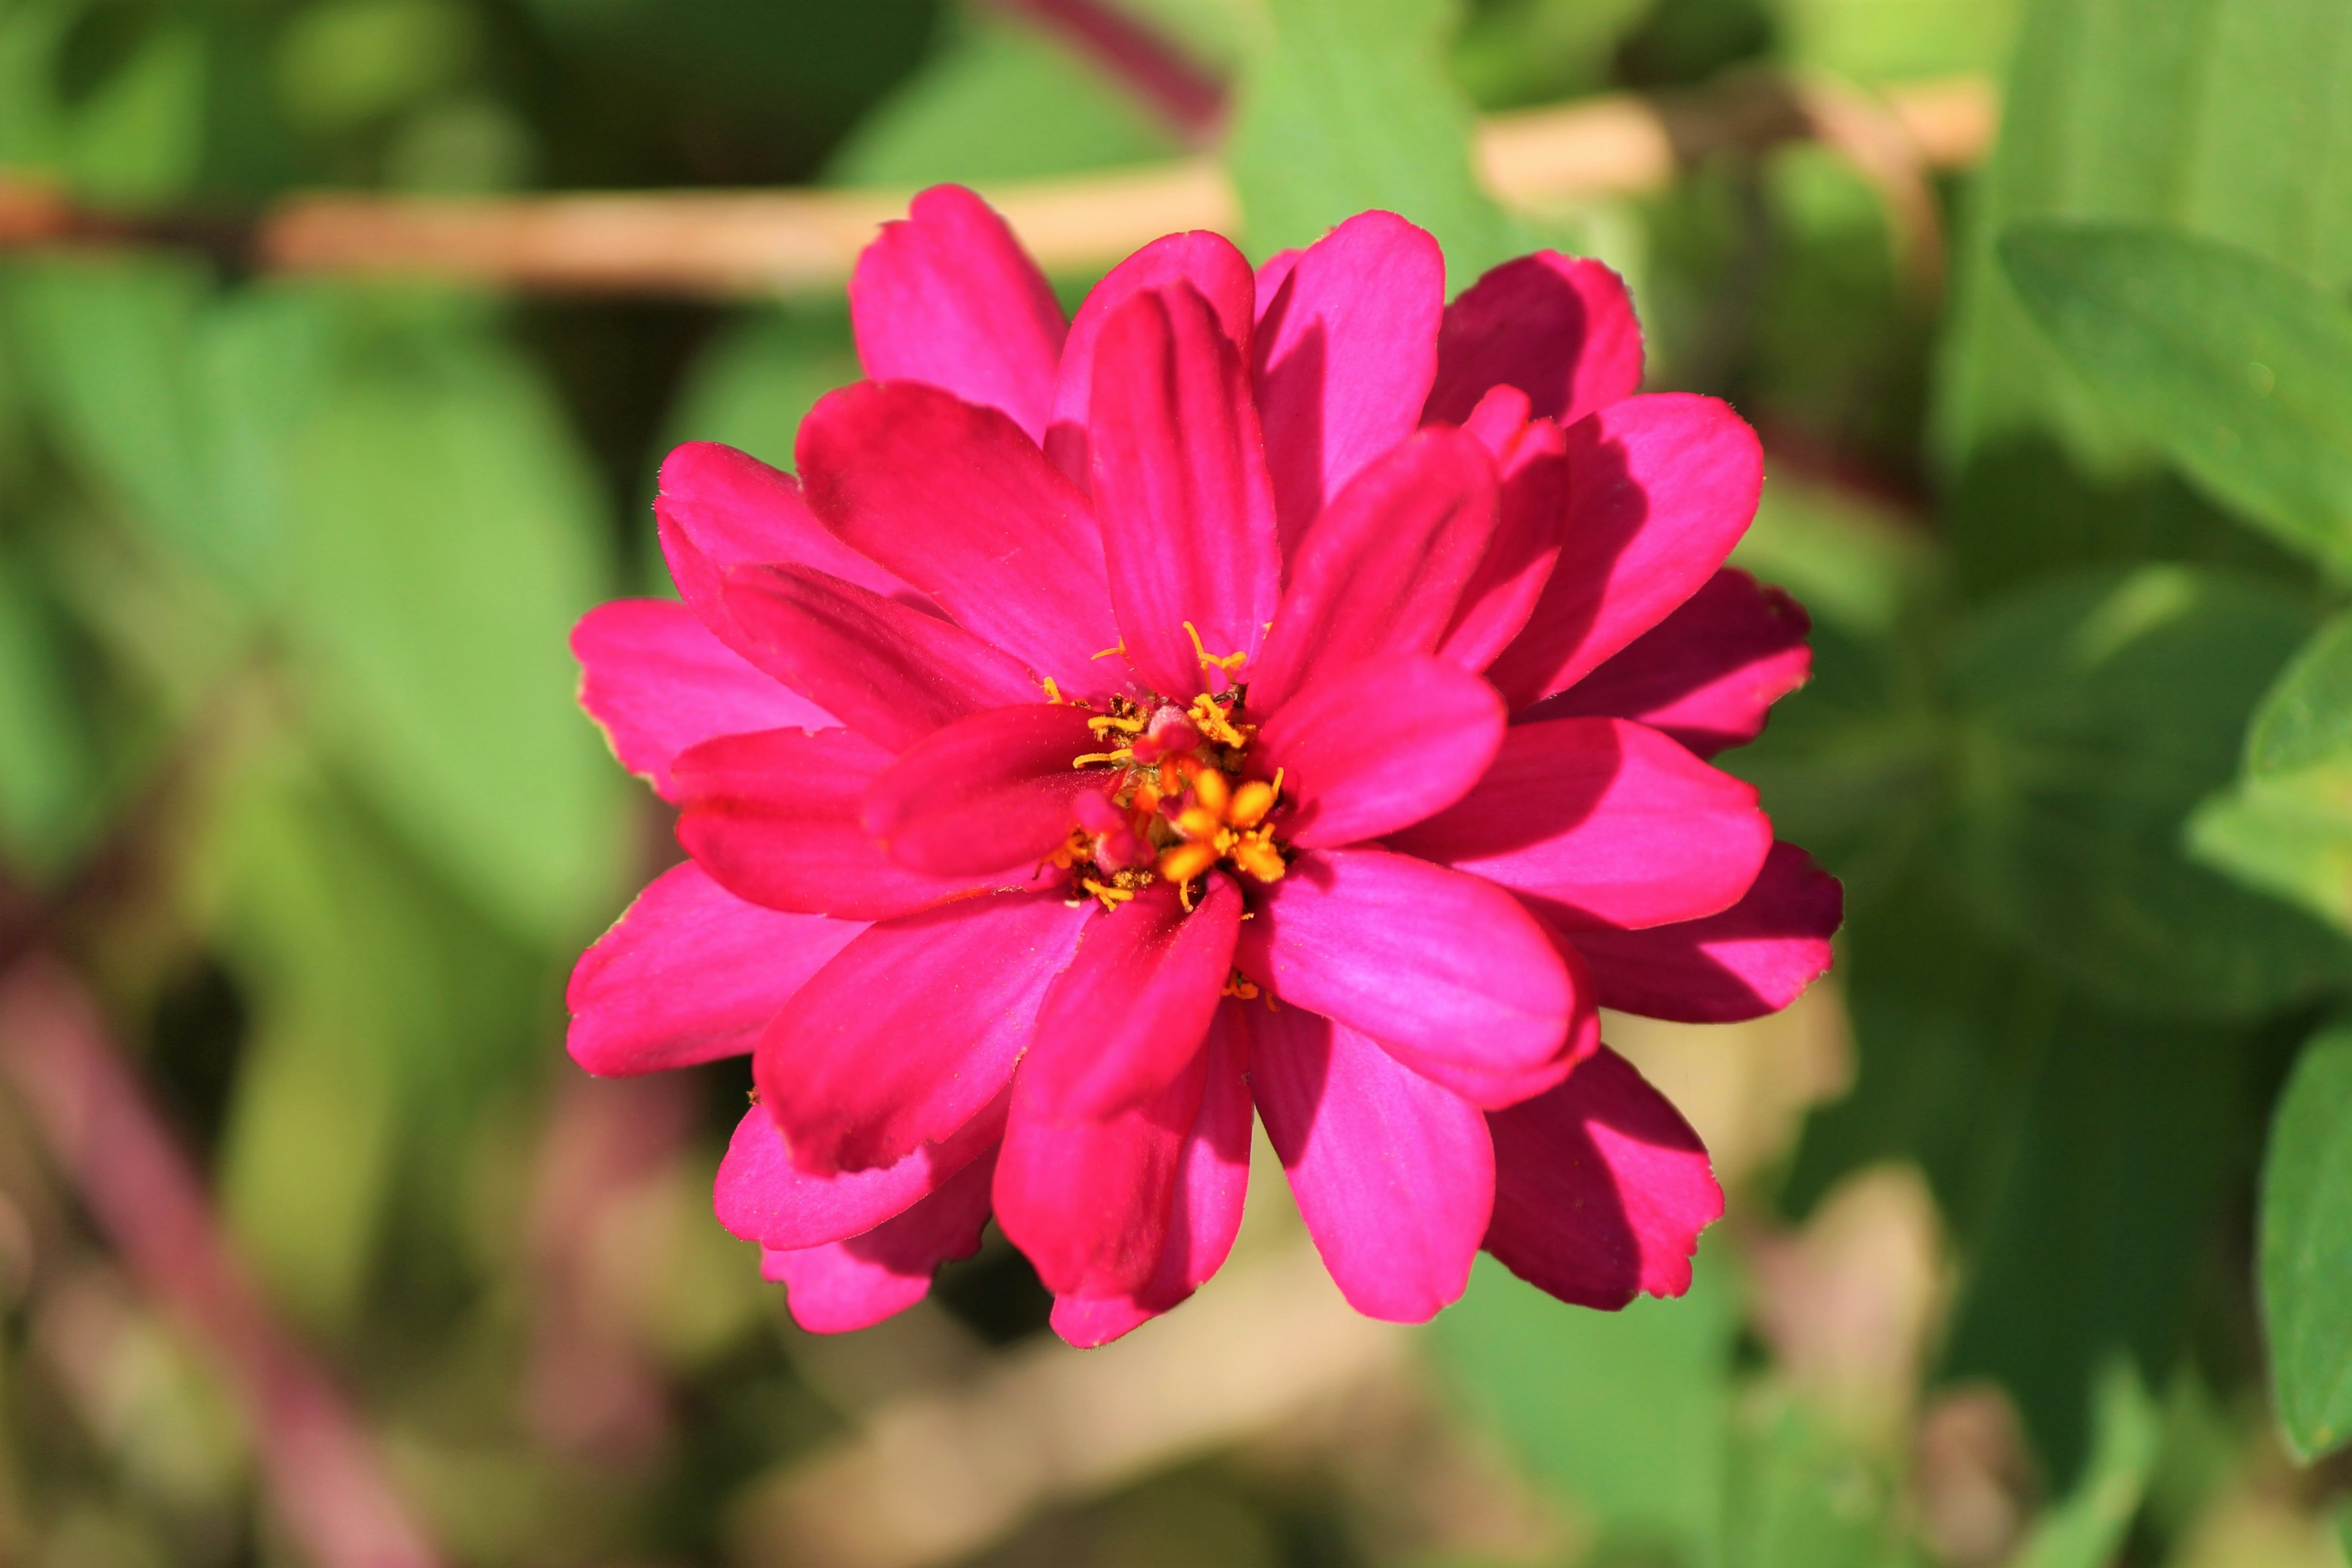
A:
{"points": [[1111, 896], [1091, 758], [1229, 663], [1198, 822], [1212, 790], [1251, 803], [1053, 692], [1105, 722], [1119, 648], [1186, 861], [1238, 984], [1259, 857]]}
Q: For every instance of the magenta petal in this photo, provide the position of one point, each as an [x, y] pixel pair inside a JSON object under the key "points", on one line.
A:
{"points": [[1367, 751], [1394, 1176], [1600, 1189], [949, 299], [690, 973], [891, 673], [956, 501], [772, 817], [1708, 674], [761, 1195], [856, 1283], [1205, 1212], [1179, 483], [1561, 328], [1532, 457], [719, 509], [1383, 569], [657, 682], [914, 1028], [1754, 958], [1437, 967], [1346, 350], [1660, 487], [990, 791], [1603, 822], [1206, 260], [1129, 1014]]}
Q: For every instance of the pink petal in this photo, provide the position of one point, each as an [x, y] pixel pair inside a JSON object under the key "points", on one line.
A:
{"points": [[1367, 751], [718, 509], [911, 1029], [1272, 274], [1129, 1014], [955, 499], [1600, 1189], [1660, 487], [949, 299], [772, 817], [657, 682], [1602, 822], [1090, 1202], [856, 1283], [1439, 967], [891, 673], [1709, 673], [1205, 1213], [1206, 260], [761, 1195], [1561, 328], [993, 790], [1382, 570], [1179, 483], [1532, 457], [1346, 348], [688, 974], [1754, 958], [1394, 1176]]}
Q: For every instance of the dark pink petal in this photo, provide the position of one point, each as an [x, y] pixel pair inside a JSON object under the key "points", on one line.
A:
{"points": [[1205, 1213], [719, 509], [1179, 483], [956, 501], [993, 790], [1754, 958], [690, 973], [1365, 752], [891, 673], [1561, 328], [772, 817], [856, 1283], [1492, 1084], [1090, 1204], [1437, 967], [1602, 822], [1346, 350], [1382, 570], [915, 1026], [949, 299], [1271, 276], [656, 682], [1129, 1014], [1394, 1176], [1709, 673], [1203, 258], [1600, 1189], [1532, 457], [1660, 487], [761, 1195]]}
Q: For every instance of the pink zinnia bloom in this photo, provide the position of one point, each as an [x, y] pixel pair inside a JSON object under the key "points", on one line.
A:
{"points": [[1279, 691]]}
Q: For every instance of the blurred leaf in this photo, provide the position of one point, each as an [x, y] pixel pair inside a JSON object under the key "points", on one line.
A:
{"points": [[1516, 52], [346, 62], [139, 137], [1626, 1412], [2087, 1529], [2344, 1528], [1003, 102], [2099, 710], [1893, 40], [2215, 115], [2306, 1248], [1345, 105], [1804, 1493], [46, 793], [2234, 367], [1845, 560], [752, 386]]}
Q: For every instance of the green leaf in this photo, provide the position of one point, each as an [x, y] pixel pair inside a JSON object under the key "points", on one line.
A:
{"points": [[1804, 1493], [1872, 40], [2098, 709], [752, 386], [1536, 51], [1345, 105], [2235, 368], [2306, 1246], [46, 793], [2087, 1529]]}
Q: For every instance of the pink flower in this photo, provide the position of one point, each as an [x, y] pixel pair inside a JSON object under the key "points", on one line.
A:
{"points": [[1282, 693]]}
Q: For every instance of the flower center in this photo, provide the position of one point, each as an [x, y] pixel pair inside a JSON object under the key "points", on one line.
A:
{"points": [[1182, 799]]}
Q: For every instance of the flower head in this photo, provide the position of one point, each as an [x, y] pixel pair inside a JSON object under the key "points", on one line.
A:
{"points": [[1276, 692]]}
